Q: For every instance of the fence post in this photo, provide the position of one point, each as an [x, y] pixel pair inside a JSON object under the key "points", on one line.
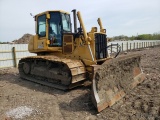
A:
{"points": [[130, 46], [142, 44], [111, 47], [134, 45], [146, 45], [122, 47], [117, 47], [137, 45], [127, 46], [14, 56]]}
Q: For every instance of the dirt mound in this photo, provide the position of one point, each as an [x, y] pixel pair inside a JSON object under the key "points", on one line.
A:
{"points": [[23, 40]]}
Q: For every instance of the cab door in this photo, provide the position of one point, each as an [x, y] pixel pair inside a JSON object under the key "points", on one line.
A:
{"points": [[41, 32]]}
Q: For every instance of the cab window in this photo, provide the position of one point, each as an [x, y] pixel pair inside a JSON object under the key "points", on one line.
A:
{"points": [[66, 22], [41, 25]]}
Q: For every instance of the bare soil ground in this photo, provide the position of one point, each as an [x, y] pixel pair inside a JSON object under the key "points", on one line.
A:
{"points": [[25, 100]]}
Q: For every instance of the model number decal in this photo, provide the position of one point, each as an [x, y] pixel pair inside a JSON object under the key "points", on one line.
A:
{"points": [[40, 46]]}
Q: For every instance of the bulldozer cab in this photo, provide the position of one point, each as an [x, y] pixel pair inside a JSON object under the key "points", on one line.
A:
{"points": [[52, 25]]}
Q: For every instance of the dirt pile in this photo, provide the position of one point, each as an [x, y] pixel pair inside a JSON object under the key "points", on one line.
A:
{"points": [[23, 40]]}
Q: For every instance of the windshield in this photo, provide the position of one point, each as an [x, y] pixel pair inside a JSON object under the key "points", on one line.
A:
{"points": [[59, 23], [66, 22]]}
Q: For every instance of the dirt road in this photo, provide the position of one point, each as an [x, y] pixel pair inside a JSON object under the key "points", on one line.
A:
{"points": [[24, 100]]}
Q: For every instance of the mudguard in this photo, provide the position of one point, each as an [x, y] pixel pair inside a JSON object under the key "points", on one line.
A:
{"points": [[114, 79]]}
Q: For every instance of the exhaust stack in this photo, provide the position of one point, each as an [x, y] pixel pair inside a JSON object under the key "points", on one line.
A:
{"points": [[75, 20]]}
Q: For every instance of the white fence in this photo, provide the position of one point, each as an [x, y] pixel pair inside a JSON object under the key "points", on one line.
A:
{"points": [[10, 54], [135, 44]]}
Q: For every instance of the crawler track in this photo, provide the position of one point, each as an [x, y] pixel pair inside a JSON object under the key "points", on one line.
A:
{"points": [[53, 71]]}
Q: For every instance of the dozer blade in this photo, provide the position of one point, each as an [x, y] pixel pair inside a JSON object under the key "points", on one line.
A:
{"points": [[115, 78]]}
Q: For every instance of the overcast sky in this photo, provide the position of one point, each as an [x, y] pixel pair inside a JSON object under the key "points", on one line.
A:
{"points": [[119, 17]]}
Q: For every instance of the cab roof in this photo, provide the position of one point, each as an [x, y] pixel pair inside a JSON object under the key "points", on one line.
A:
{"points": [[61, 11]]}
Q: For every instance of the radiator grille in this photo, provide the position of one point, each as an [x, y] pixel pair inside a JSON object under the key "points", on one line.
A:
{"points": [[100, 46]]}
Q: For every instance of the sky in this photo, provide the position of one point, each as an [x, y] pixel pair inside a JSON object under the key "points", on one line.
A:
{"points": [[119, 17]]}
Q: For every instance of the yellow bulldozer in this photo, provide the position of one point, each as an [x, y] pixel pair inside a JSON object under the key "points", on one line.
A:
{"points": [[67, 59]]}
